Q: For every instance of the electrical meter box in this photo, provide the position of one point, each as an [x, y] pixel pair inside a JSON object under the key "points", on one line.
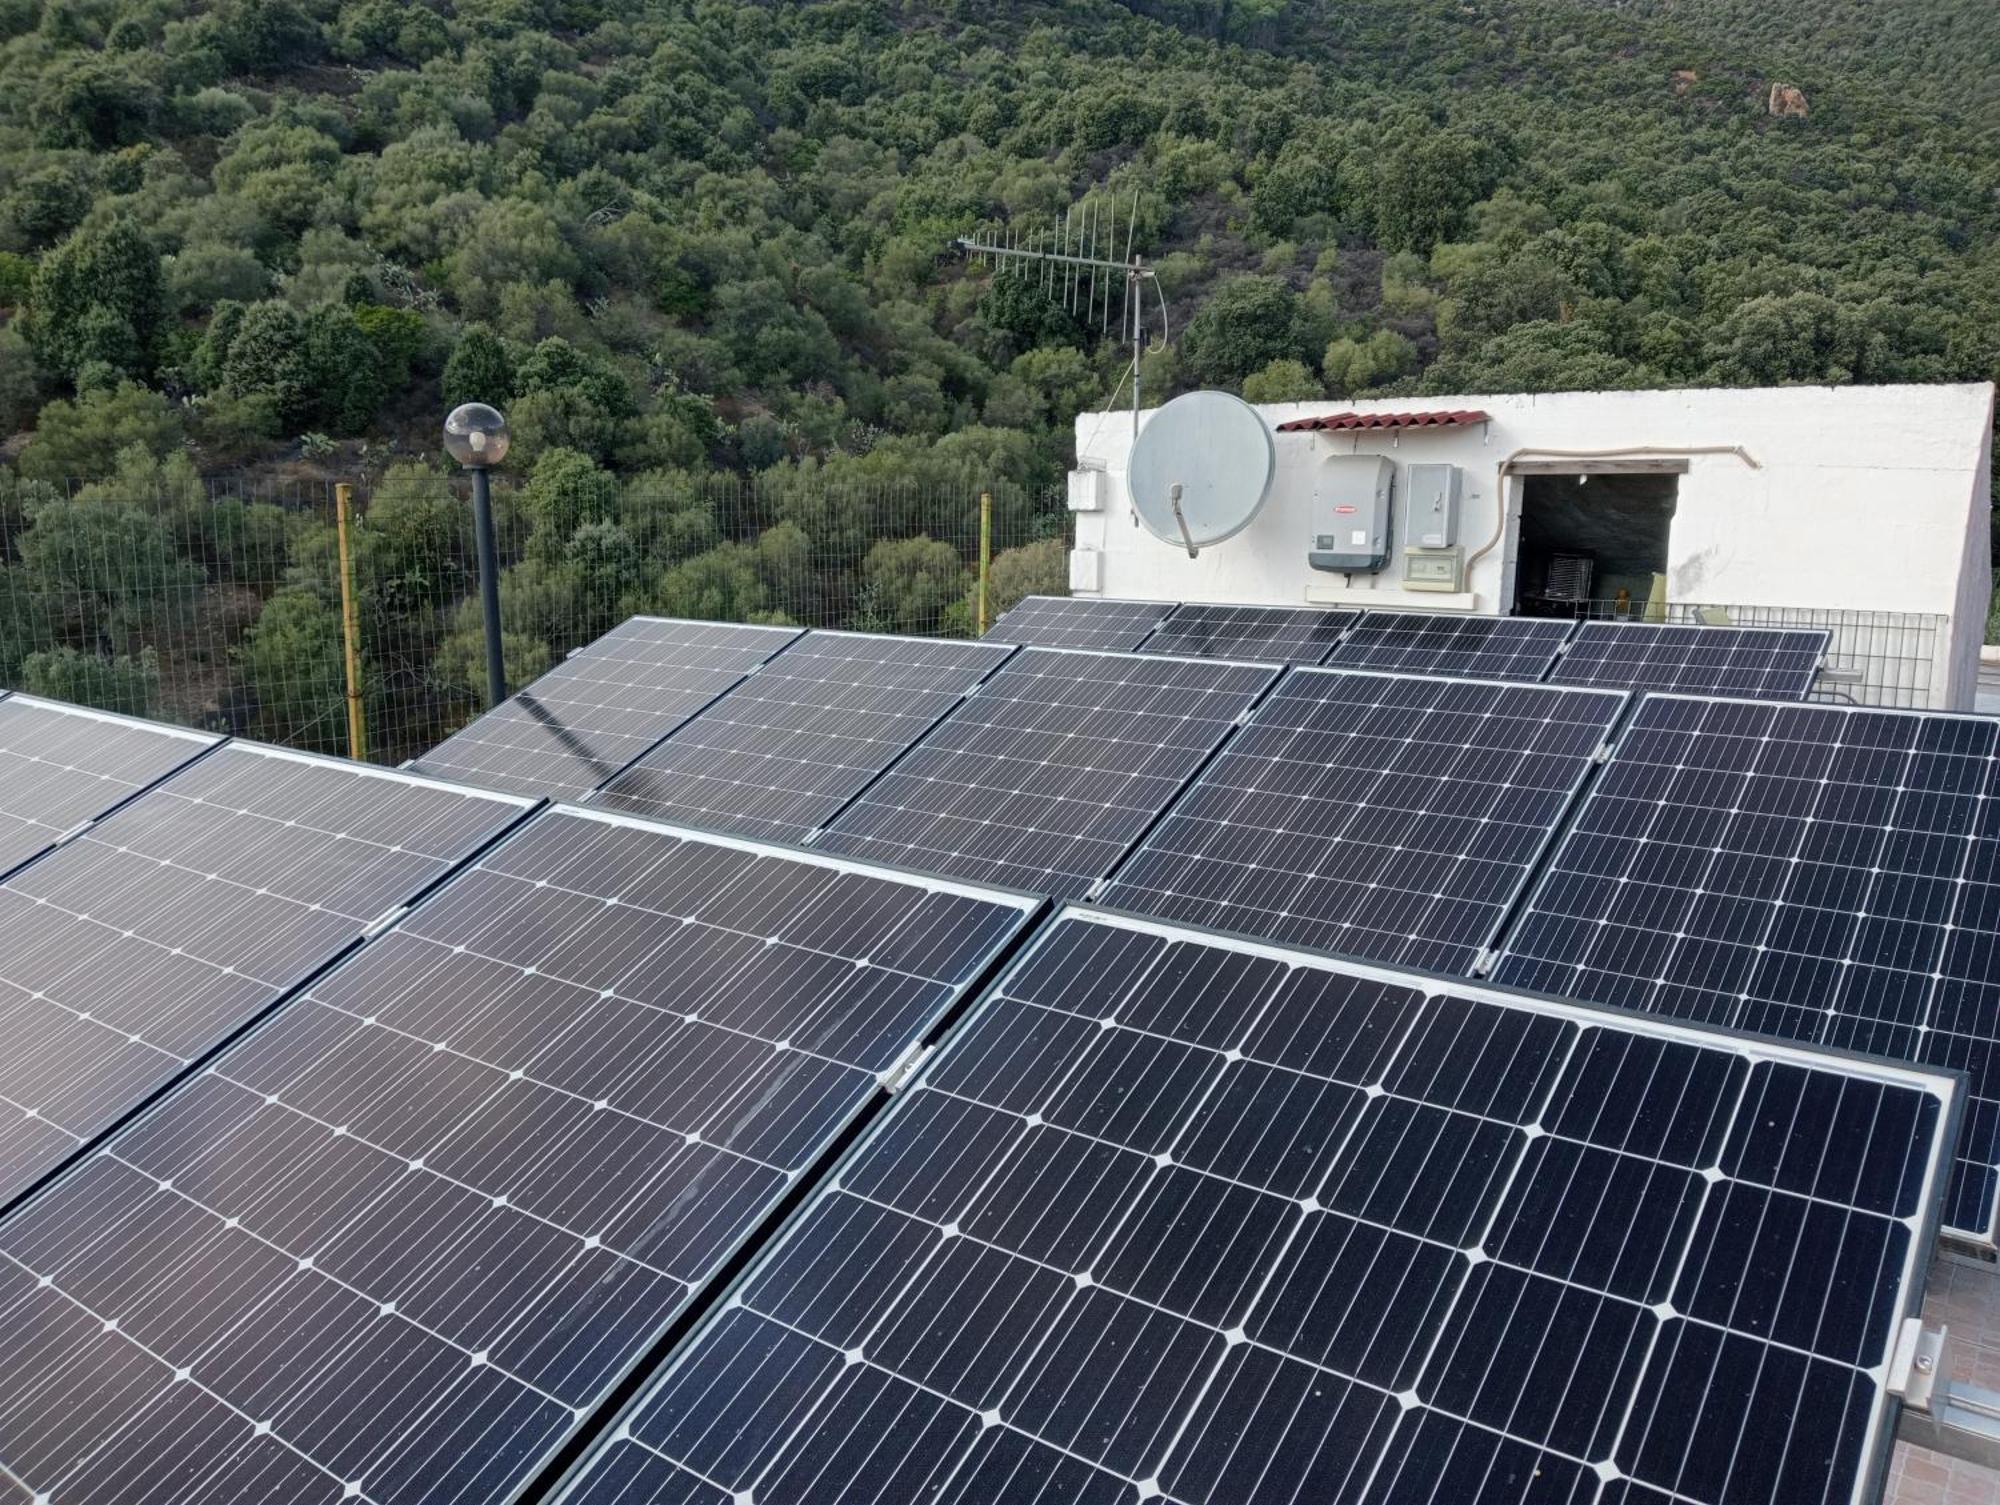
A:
{"points": [[1430, 506], [1350, 512], [1433, 569]]}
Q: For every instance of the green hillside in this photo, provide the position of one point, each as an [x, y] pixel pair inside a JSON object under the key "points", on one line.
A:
{"points": [[701, 254], [284, 219]]}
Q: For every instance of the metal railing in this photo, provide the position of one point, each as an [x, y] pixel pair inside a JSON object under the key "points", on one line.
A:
{"points": [[218, 604]]}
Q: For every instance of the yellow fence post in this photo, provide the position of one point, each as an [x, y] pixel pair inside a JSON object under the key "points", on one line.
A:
{"points": [[350, 628], [985, 552]]}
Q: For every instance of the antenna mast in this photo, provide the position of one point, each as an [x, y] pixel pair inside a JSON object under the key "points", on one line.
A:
{"points": [[1065, 258]]}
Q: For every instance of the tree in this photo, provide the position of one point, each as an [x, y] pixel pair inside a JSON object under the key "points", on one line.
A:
{"points": [[98, 297], [1248, 323], [107, 572], [567, 491], [81, 440], [1283, 381], [294, 674], [268, 358], [478, 370], [127, 683], [910, 582]]}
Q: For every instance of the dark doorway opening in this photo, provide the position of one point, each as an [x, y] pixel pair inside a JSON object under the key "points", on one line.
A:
{"points": [[1588, 539]]}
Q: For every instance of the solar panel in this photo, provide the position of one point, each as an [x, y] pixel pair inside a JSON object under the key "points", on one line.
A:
{"points": [[1412, 642], [1079, 622], [63, 765], [1768, 663], [132, 951], [1386, 817], [601, 707], [1813, 872], [1045, 776], [397, 1243], [1180, 1218], [1259, 634], [782, 752]]}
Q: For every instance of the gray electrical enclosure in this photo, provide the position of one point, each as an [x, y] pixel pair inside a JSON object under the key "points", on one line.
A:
{"points": [[1430, 506], [1350, 512]]}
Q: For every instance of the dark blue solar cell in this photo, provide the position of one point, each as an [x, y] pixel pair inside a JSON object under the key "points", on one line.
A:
{"points": [[1807, 872], [1376, 816], [419, 1224], [1332, 1236]]}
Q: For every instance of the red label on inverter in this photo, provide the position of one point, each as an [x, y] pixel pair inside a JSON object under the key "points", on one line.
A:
{"points": [[1343, 511]]}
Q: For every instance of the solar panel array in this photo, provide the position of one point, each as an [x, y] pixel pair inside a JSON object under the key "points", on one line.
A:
{"points": [[1256, 634], [1185, 1219], [1079, 622], [1766, 663], [1810, 872], [1392, 818], [779, 755], [399, 1241], [1410, 642], [62, 766], [601, 707], [1044, 777], [130, 952]]}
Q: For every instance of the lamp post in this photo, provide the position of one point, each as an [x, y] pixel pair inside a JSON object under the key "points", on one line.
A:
{"points": [[476, 436]]}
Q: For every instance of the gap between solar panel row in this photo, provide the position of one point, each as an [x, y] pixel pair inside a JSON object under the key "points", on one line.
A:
{"points": [[1184, 1217], [404, 1237]]}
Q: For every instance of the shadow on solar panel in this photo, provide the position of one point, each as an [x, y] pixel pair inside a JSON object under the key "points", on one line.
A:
{"points": [[601, 707], [1811, 872], [1258, 634], [1185, 1218], [779, 755], [397, 1244]]}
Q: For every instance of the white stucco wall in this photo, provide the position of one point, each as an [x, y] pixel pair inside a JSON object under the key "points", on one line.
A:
{"points": [[1859, 497]]}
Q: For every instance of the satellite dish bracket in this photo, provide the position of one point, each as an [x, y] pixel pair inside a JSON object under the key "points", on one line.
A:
{"points": [[1181, 518]]}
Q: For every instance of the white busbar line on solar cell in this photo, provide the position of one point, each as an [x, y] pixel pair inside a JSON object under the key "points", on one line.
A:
{"points": [[810, 1250], [139, 948], [784, 751], [64, 767], [444, 1252], [1924, 948]]}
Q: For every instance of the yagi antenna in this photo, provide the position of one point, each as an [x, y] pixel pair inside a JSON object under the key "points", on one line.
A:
{"points": [[1066, 261]]}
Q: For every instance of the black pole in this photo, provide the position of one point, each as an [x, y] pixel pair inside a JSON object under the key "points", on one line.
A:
{"points": [[489, 585]]}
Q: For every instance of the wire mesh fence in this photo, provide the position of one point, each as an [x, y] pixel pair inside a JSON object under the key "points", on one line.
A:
{"points": [[219, 604], [1873, 658]]}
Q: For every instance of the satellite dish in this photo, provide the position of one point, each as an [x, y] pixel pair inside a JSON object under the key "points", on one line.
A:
{"points": [[1201, 469]]}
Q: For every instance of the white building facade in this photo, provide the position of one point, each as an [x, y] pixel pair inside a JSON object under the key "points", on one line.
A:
{"points": [[1863, 506]]}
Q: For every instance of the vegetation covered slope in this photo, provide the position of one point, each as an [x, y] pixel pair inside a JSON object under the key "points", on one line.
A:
{"points": [[293, 217], [688, 239]]}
